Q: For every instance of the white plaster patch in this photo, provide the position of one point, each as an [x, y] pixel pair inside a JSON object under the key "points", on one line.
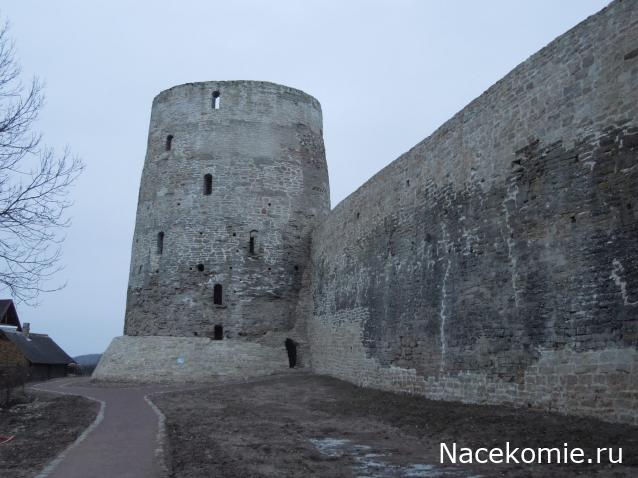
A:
{"points": [[617, 273], [511, 196]]}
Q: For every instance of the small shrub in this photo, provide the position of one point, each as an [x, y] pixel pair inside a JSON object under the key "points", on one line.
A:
{"points": [[12, 380]]}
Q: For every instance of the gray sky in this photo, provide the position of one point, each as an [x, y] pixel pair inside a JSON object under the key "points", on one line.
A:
{"points": [[387, 74]]}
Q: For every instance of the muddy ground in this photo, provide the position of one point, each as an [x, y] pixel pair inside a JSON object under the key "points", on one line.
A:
{"points": [[43, 425], [302, 425]]}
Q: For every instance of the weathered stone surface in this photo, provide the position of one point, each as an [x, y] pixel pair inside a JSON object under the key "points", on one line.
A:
{"points": [[498, 256], [494, 262], [263, 148], [186, 359]]}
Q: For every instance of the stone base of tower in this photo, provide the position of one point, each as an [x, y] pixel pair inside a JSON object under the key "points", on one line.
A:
{"points": [[186, 359]]}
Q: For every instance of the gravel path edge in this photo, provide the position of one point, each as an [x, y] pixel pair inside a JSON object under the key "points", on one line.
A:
{"points": [[51, 466]]}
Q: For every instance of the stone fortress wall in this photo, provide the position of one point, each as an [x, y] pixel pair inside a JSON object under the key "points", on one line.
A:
{"points": [[497, 260], [152, 359], [494, 262], [234, 180]]}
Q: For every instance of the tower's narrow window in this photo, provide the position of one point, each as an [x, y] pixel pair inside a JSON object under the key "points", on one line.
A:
{"points": [[208, 184], [217, 294], [169, 142], [218, 333], [160, 242], [252, 244], [216, 97]]}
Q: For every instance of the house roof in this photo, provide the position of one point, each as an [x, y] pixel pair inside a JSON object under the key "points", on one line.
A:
{"points": [[8, 314], [38, 348]]}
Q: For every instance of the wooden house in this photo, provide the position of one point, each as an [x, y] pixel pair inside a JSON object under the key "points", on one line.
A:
{"points": [[37, 353]]}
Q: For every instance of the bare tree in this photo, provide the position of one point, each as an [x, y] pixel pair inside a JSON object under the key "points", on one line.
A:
{"points": [[34, 185]]}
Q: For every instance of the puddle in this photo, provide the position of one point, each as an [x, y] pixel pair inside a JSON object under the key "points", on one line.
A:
{"points": [[368, 464]]}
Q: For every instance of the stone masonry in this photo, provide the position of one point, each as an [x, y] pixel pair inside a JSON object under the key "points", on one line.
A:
{"points": [[494, 262], [497, 260], [234, 181], [186, 359]]}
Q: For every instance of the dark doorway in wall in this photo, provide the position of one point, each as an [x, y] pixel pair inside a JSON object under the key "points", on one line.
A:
{"points": [[252, 244], [169, 142], [160, 242], [218, 333], [217, 294], [208, 184], [291, 349]]}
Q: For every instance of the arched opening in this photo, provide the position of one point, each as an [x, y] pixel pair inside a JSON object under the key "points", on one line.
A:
{"points": [[252, 242], [217, 294], [208, 184], [218, 332], [169, 142], [291, 349], [160, 242], [216, 98]]}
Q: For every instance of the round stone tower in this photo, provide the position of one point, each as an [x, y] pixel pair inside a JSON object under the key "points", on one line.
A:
{"points": [[234, 180]]}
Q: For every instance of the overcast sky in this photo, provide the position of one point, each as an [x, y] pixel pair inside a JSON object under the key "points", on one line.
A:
{"points": [[387, 74]]}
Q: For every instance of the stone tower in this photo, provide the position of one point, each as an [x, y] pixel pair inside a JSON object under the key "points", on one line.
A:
{"points": [[234, 180]]}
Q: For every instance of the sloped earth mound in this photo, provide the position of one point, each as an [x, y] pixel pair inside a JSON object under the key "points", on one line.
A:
{"points": [[302, 425], [42, 426]]}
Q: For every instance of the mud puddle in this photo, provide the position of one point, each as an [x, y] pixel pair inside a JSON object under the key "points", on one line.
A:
{"points": [[370, 464]]}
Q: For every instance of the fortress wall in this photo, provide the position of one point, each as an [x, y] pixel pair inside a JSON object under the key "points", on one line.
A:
{"points": [[186, 359], [497, 260], [264, 149]]}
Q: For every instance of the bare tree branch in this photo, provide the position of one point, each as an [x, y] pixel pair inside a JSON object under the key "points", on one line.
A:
{"points": [[34, 186]]}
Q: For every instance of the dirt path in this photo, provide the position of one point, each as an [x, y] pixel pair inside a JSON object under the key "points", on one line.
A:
{"points": [[303, 426], [122, 442], [42, 426]]}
